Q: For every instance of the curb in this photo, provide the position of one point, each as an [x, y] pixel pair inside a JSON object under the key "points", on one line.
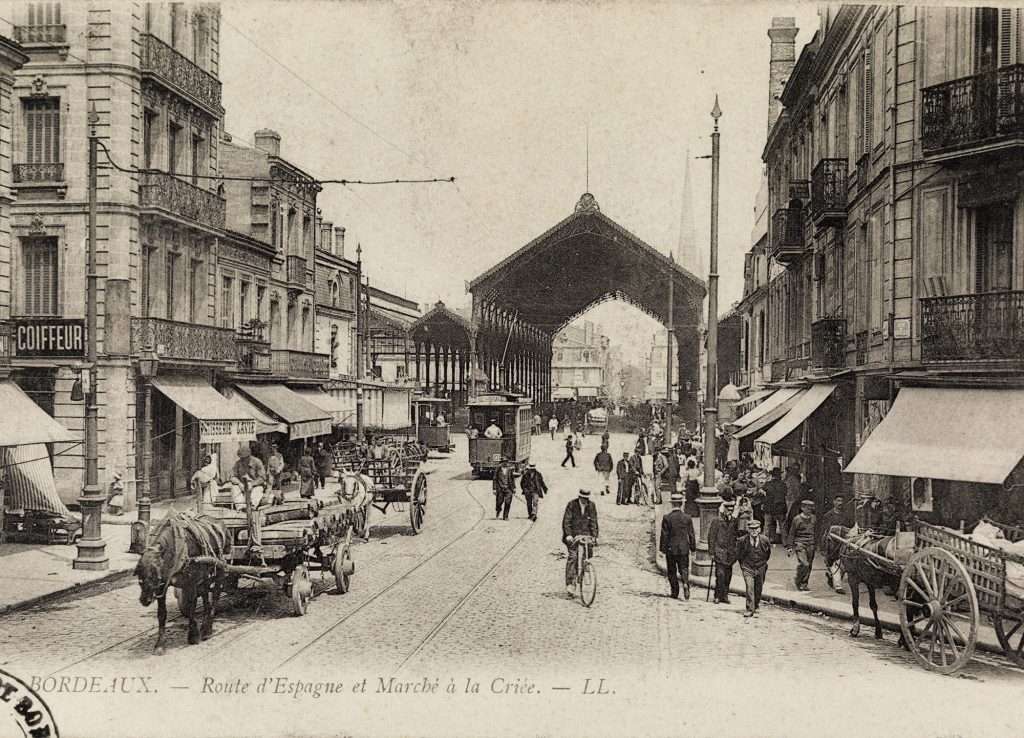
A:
{"points": [[886, 621], [80, 588]]}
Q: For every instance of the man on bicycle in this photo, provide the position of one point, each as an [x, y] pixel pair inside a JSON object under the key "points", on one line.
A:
{"points": [[580, 519]]}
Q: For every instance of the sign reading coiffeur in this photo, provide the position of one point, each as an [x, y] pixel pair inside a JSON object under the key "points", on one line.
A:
{"points": [[47, 338]]}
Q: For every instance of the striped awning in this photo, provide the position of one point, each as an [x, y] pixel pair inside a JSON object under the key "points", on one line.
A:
{"points": [[29, 479], [24, 422]]}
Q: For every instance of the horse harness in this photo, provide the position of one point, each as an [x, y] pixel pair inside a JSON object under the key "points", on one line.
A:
{"points": [[212, 540]]}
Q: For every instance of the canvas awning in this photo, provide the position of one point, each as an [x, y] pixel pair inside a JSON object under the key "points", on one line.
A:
{"points": [[775, 414], [777, 397], [754, 397], [304, 419], [25, 422], [219, 420], [264, 422], [562, 393], [810, 400], [587, 392], [333, 406], [961, 434], [29, 479]]}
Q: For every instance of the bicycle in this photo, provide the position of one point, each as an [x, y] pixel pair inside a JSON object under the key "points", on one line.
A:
{"points": [[586, 575], [640, 491]]}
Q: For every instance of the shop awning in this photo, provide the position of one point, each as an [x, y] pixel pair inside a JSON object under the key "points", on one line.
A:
{"points": [[777, 397], [264, 422], [587, 392], [25, 422], [29, 479], [304, 419], [333, 406], [562, 393], [219, 420], [961, 434], [809, 401], [754, 397], [773, 415]]}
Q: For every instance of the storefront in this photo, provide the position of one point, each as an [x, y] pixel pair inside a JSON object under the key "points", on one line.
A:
{"points": [[303, 419]]}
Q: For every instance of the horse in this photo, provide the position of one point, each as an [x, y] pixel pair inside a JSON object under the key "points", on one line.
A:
{"points": [[169, 560], [861, 568]]}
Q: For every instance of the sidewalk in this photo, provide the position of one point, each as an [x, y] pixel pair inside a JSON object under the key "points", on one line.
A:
{"points": [[33, 573], [779, 589]]}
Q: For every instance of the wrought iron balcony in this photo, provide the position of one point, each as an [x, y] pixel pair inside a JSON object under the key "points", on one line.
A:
{"points": [[787, 234], [253, 348], [981, 109], [180, 75], [982, 327], [828, 192], [298, 275], [182, 199], [53, 33], [39, 172], [862, 347], [301, 364], [828, 343], [176, 341]]}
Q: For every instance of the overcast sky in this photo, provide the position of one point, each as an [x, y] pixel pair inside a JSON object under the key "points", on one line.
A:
{"points": [[500, 95]]}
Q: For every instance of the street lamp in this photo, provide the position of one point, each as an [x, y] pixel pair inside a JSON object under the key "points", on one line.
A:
{"points": [[708, 501], [148, 367]]}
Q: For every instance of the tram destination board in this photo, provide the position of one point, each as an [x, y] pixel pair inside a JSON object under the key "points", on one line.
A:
{"points": [[49, 338]]}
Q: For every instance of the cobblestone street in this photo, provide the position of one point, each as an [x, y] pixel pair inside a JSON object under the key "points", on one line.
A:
{"points": [[478, 599]]}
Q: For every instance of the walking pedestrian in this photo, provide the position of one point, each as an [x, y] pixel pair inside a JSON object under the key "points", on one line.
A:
{"points": [[603, 467], [624, 472], [753, 552], [307, 473], [553, 426], [775, 507], [801, 541], [723, 539], [324, 464], [677, 541], [275, 467], [534, 488], [504, 489], [568, 452]]}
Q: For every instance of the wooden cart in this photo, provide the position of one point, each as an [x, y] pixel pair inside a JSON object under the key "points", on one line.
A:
{"points": [[397, 484]]}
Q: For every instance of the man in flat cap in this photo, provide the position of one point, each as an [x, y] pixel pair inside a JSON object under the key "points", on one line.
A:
{"points": [[677, 541], [753, 552], [801, 541]]}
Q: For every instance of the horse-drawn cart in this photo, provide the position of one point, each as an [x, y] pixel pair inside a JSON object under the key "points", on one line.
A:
{"points": [[396, 480], [949, 580]]}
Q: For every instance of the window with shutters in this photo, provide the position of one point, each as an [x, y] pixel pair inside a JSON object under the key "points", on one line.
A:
{"points": [[148, 280], [43, 24], [227, 306], [878, 49], [864, 274], [993, 248], [261, 297], [149, 138], [171, 283], [197, 291], [174, 147], [200, 40], [197, 158], [42, 130], [40, 265], [867, 101], [243, 301]]}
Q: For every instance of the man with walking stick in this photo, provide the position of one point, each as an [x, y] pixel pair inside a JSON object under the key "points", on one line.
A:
{"points": [[677, 541], [723, 535]]}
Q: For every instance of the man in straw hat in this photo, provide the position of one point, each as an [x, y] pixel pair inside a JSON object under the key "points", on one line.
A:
{"points": [[677, 541], [753, 552], [580, 519]]}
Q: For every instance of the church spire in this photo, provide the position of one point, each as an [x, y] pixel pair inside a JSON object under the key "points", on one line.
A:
{"points": [[688, 255]]}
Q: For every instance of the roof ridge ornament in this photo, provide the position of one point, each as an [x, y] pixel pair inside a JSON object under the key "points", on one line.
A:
{"points": [[587, 204]]}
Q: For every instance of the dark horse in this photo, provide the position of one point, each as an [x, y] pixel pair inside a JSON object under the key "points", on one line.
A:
{"points": [[169, 560], [861, 568]]}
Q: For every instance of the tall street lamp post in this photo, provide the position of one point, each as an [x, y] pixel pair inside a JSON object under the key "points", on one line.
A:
{"points": [[709, 500], [359, 343], [92, 550]]}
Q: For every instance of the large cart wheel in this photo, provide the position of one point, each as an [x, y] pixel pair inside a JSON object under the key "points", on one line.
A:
{"points": [[1010, 632], [301, 589], [418, 501], [938, 610], [342, 565]]}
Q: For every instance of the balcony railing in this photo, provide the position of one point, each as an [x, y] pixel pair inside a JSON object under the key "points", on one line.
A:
{"points": [[828, 343], [799, 189], [861, 344], [301, 364], [183, 341], [253, 348], [54, 33], [48, 172], [298, 275], [787, 234], [178, 197], [973, 110], [828, 191], [180, 74], [982, 327]]}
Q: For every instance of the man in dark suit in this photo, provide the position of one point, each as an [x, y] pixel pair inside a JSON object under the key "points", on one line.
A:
{"points": [[580, 519], [753, 552], [504, 489], [533, 486], [677, 541], [624, 471]]}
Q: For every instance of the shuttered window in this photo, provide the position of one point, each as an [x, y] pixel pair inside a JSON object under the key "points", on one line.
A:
{"points": [[39, 258], [42, 130], [171, 283], [227, 307], [868, 101]]}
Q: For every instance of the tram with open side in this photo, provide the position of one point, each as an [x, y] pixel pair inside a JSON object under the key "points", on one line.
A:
{"points": [[426, 411], [513, 414]]}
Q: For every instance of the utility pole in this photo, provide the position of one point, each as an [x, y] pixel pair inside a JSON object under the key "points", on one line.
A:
{"points": [[359, 343], [709, 500], [92, 549], [668, 352]]}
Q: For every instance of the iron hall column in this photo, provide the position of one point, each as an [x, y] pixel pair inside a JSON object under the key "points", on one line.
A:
{"points": [[92, 549], [360, 319], [709, 500]]}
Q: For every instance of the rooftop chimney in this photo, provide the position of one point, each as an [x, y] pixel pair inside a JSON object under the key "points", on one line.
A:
{"points": [[327, 236], [339, 241], [783, 35], [269, 141]]}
